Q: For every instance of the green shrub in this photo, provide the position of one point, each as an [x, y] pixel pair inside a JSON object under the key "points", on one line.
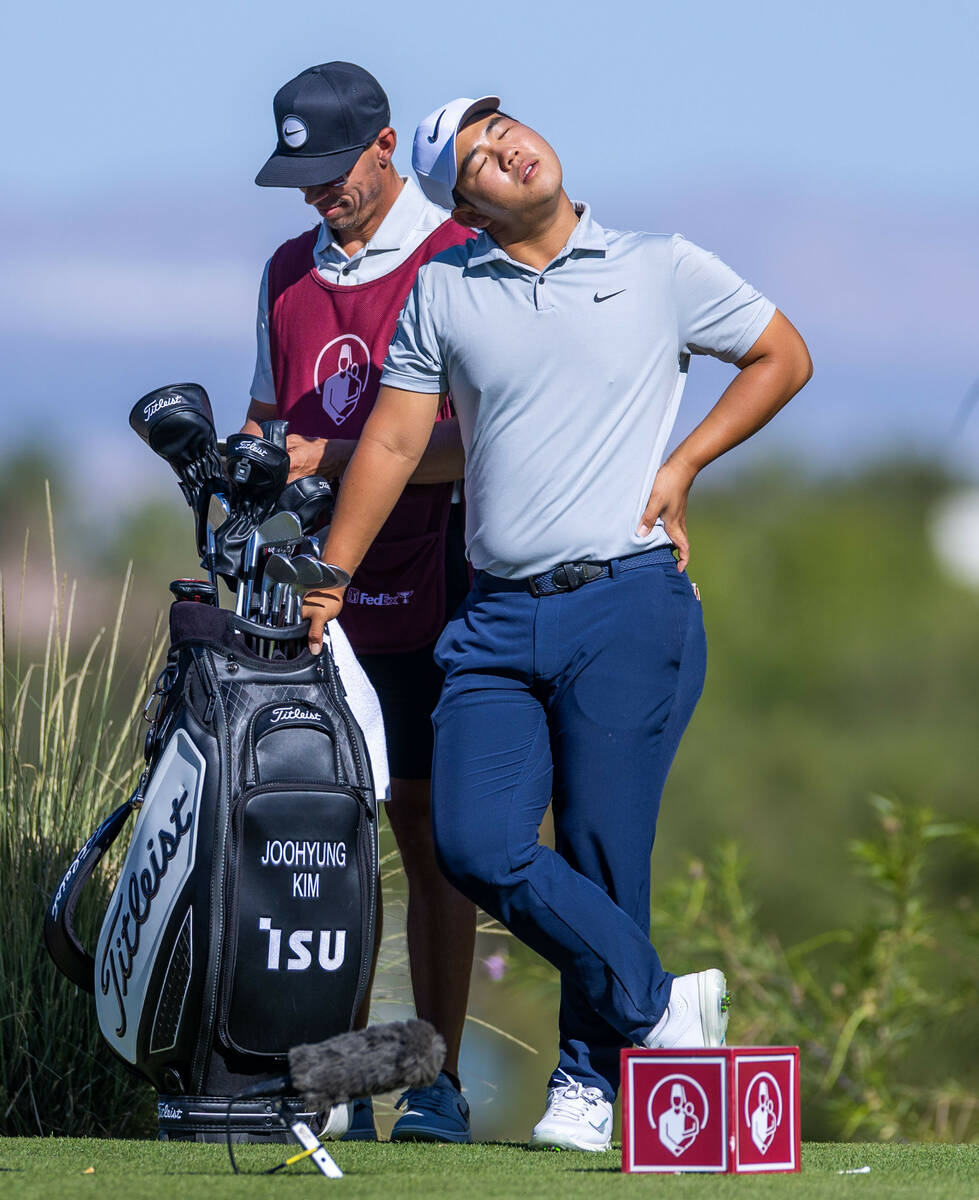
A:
{"points": [[875, 1007], [883, 1010]]}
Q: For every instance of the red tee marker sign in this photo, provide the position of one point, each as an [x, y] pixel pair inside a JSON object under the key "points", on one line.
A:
{"points": [[730, 1109]]}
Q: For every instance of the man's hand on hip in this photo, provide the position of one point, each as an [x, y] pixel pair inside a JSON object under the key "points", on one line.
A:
{"points": [[318, 456], [319, 607], [668, 500], [769, 375]]}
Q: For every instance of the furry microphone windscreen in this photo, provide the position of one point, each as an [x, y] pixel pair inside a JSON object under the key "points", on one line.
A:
{"points": [[380, 1058]]}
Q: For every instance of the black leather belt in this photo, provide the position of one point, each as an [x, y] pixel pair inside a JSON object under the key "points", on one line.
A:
{"points": [[569, 576]]}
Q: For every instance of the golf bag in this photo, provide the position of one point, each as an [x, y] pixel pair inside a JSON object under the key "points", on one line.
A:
{"points": [[243, 920]]}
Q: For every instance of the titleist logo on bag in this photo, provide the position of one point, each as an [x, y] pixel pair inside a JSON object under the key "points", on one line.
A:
{"points": [[135, 907], [165, 843], [293, 713]]}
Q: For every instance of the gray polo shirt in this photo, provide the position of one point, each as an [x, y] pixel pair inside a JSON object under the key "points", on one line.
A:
{"points": [[567, 381]]}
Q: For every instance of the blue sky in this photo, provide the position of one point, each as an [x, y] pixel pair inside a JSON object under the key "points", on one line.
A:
{"points": [[827, 151]]}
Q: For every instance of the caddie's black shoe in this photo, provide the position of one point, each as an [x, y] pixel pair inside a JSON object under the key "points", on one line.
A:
{"points": [[361, 1123], [433, 1114]]}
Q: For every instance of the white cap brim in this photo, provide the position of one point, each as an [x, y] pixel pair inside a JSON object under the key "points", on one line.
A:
{"points": [[433, 154]]}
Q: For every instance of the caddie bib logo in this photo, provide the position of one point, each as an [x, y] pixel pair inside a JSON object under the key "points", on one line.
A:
{"points": [[340, 375], [763, 1110], [678, 1111]]}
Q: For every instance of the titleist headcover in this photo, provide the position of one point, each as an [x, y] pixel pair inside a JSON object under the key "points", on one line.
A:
{"points": [[257, 471], [177, 424], [275, 432], [311, 498]]}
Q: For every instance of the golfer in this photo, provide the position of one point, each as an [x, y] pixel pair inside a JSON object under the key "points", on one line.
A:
{"points": [[328, 304], [576, 662]]}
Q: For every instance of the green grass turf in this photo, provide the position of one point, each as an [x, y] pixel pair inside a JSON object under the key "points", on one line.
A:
{"points": [[36, 1169]]}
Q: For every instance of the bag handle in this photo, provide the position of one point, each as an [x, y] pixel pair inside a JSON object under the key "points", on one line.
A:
{"points": [[70, 956]]}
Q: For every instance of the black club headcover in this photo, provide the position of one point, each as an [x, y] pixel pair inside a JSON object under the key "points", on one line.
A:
{"points": [[311, 499], [275, 432], [177, 424], [229, 547], [257, 473]]}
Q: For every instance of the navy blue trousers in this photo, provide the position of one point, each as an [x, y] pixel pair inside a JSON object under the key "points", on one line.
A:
{"points": [[581, 698]]}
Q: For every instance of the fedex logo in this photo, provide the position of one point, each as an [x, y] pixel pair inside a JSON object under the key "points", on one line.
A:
{"points": [[381, 599]]}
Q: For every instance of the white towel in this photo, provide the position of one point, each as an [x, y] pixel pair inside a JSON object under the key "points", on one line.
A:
{"points": [[365, 705]]}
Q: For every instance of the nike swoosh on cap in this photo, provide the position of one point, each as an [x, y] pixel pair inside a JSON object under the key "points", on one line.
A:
{"points": [[435, 132], [599, 299]]}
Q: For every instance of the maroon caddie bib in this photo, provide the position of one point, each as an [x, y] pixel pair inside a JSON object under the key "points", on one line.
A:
{"points": [[328, 344]]}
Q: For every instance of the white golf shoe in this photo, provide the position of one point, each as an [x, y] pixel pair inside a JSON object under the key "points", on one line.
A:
{"points": [[577, 1118], [337, 1122], [696, 1014]]}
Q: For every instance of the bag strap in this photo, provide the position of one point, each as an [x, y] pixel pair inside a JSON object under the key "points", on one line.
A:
{"points": [[70, 956]]}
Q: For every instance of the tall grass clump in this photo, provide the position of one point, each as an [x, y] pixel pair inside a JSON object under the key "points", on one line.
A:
{"points": [[69, 753]]}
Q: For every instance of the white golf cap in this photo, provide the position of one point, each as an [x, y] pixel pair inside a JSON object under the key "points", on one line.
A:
{"points": [[434, 153]]}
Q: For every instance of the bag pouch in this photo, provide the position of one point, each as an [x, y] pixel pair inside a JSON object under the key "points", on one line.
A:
{"points": [[290, 740], [300, 917]]}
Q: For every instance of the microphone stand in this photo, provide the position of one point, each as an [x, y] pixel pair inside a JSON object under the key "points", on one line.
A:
{"points": [[312, 1146]]}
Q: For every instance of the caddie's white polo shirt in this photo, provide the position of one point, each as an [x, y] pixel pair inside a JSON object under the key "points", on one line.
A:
{"points": [[567, 381], [411, 219]]}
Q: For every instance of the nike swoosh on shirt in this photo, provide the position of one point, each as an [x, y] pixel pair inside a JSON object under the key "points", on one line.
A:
{"points": [[435, 131], [599, 299]]}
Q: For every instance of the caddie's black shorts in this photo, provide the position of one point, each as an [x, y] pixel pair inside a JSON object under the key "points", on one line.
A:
{"points": [[408, 685]]}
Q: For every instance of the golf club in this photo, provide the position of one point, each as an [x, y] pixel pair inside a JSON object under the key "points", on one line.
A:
{"points": [[278, 532]]}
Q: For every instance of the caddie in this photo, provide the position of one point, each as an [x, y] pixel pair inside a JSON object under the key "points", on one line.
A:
{"points": [[328, 304], [579, 656]]}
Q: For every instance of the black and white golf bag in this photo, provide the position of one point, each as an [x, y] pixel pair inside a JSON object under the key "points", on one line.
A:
{"points": [[242, 922]]}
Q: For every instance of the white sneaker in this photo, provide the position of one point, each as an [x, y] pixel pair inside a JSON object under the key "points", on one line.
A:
{"points": [[577, 1118], [696, 1014], [337, 1122]]}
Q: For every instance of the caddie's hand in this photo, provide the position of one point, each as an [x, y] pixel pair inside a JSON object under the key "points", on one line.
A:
{"points": [[304, 455], [320, 606], [328, 457], [668, 500]]}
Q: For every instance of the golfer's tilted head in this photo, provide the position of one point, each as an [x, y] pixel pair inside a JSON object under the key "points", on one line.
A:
{"points": [[433, 154], [468, 153]]}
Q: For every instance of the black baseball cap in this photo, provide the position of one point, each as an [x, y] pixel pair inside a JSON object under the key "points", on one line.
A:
{"points": [[325, 118]]}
